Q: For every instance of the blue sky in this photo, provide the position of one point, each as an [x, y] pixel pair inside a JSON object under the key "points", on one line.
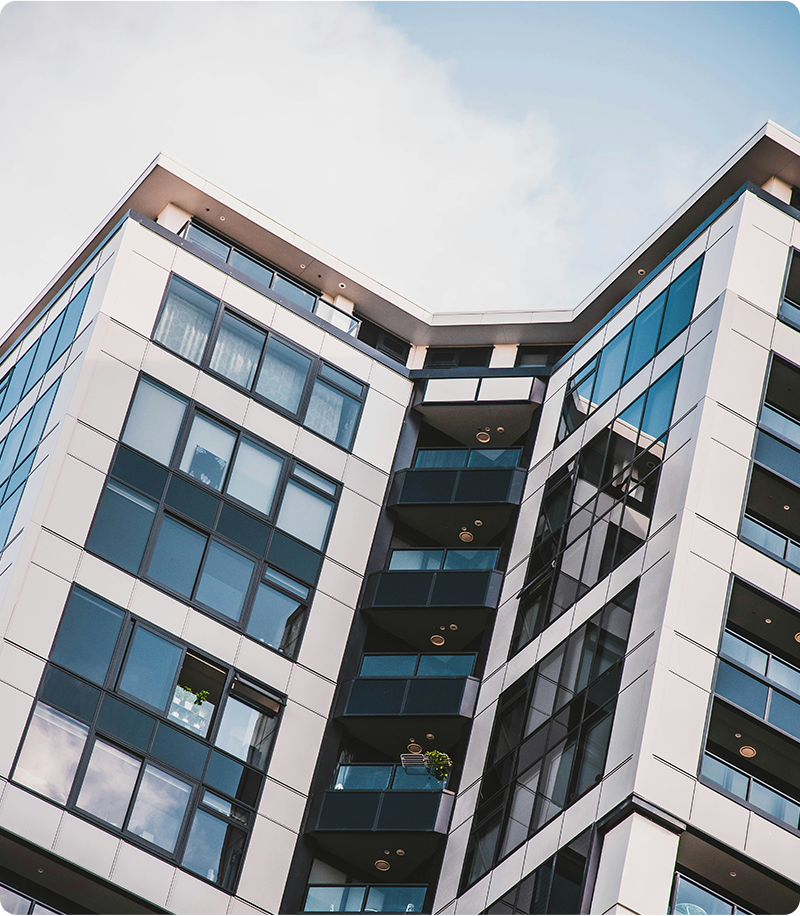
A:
{"points": [[469, 155]]}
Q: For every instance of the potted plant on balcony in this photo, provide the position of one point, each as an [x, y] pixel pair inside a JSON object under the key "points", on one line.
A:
{"points": [[192, 708], [439, 764]]}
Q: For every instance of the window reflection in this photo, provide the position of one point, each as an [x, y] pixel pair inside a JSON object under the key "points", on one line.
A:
{"points": [[159, 808], [50, 754], [208, 452], [109, 783]]}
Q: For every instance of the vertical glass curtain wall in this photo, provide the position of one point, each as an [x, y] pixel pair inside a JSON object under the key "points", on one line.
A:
{"points": [[630, 350], [41, 348], [550, 737], [596, 509]]}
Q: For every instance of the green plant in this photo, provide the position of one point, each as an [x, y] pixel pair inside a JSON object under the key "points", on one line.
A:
{"points": [[200, 696], [439, 764]]}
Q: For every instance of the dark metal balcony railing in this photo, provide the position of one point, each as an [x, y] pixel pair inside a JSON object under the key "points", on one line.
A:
{"points": [[467, 458], [379, 777], [388, 811], [452, 559], [455, 588], [365, 898]]}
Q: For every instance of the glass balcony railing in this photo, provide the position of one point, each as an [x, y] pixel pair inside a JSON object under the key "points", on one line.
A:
{"points": [[467, 458], [459, 665], [464, 486], [780, 424], [766, 539], [751, 790], [272, 279], [387, 811], [443, 559], [790, 313], [411, 685], [365, 898], [380, 777]]}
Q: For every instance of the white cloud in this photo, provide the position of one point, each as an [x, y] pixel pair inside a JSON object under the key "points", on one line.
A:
{"points": [[318, 114]]}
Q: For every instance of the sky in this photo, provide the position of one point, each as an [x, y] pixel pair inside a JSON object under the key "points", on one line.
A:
{"points": [[469, 155]]}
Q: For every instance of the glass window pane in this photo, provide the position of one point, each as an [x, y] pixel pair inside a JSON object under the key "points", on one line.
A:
{"points": [[342, 380], [332, 414], [294, 292], [193, 501], [214, 849], [691, 899], [109, 783], [283, 375], [364, 776], [232, 778], [246, 733], [12, 902], [785, 713], [151, 668], [445, 665], [660, 401], [154, 421], [237, 350], [441, 458], [176, 556], [416, 559], [785, 675], [344, 899], [207, 242], [321, 483], [159, 808], [72, 319], [243, 529], [741, 689], [255, 476], [140, 472], [645, 336], [296, 588], [612, 361], [306, 515], [50, 755], [180, 750], [126, 723], [186, 320], [87, 635], [388, 666], [122, 526], [775, 804], [208, 452], [70, 694], [470, 559], [276, 619], [252, 268], [732, 780], [225, 580], [744, 653], [680, 302]]}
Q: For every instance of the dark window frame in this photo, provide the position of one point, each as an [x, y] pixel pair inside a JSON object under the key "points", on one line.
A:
{"points": [[198, 786], [210, 532], [315, 367]]}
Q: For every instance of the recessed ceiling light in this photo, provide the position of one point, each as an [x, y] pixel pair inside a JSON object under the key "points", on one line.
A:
{"points": [[786, 508], [302, 267], [737, 735], [797, 637], [767, 620], [483, 437], [454, 626], [747, 751], [382, 865], [222, 219], [465, 536], [387, 852], [478, 523], [641, 271], [342, 286], [442, 628], [437, 640], [430, 737], [401, 852], [501, 429], [414, 749], [733, 874]]}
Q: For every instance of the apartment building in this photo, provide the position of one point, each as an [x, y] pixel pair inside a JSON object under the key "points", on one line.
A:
{"points": [[315, 601]]}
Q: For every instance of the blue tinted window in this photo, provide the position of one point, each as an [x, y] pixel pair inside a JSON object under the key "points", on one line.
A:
{"points": [[126, 723], [176, 556], [645, 336], [680, 303], [785, 713], [122, 526], [179, 750], [150, 668], [225, 580], [19, 377], [660, 401], [87, 635], [72, 319], [741, 689], [274, 618], [609, 371]]}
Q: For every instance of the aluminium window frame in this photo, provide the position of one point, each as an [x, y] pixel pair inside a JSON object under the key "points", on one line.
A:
{"points": [[163, 509], [110, 687], [315, 367]]}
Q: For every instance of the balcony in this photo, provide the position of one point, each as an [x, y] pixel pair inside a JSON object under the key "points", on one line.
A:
{"points": [[365, 898], [444, 593], [382, 806], [397, 698], [454, 492]]}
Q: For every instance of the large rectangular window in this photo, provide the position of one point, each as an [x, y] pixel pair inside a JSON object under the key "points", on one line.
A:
{"points": [[165, 747], [201, 329], [219, 519]]}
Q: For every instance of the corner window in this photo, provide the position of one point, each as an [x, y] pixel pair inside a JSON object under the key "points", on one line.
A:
{"points": [[201, 329], [168, 750]]}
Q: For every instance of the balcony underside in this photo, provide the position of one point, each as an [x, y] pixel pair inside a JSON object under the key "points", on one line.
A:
{"points": [[444, 523], [463, 420], [363, 848], [393, 733], [417, 625]]}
